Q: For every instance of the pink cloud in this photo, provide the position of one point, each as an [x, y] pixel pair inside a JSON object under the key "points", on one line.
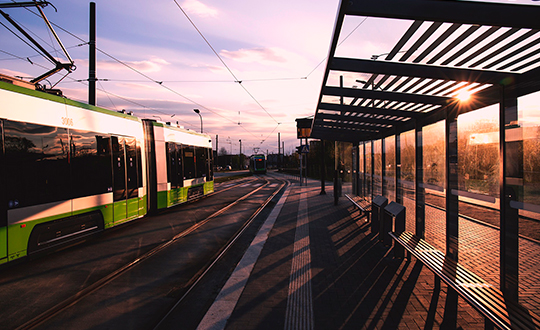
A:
{"points": [[254, 55], [200, 9], [153, 65]]}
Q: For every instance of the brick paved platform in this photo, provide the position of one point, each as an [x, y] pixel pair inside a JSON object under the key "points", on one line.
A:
{"points": [[320, 268]]}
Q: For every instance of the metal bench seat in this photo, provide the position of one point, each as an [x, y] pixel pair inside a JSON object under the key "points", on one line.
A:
{"points": [[484, 297], [360, 203]]}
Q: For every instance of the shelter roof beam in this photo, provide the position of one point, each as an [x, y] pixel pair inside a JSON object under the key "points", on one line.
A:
{"points": [[419, 70], [385, 95], [464, 12], [343, 108]]}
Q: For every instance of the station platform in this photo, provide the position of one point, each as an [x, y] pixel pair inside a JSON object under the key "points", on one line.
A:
{"points": [[315, 265]]}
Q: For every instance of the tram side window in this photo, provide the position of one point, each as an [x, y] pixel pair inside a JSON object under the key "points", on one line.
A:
{"points": [[201, 161], [139, 166], [36, 167], [189, 162], [90, 163], [119, 168], [172, 164]]}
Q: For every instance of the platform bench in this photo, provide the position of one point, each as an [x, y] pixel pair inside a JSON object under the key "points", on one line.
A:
{"points": [[360, 203], [484, 297]]}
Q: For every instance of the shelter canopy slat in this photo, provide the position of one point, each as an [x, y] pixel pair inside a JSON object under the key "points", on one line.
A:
{"points": [[426, 53]]}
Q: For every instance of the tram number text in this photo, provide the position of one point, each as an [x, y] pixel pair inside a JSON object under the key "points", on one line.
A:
{"points": [[67, 121]]}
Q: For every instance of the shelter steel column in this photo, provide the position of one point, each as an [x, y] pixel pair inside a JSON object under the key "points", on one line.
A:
{"points": [[363, 185], [397, 173], [452, 199], [384, 188], [419, 186], [511, 189], [323, 170], [356, 168], [452, 204], [336, 156], [372, 182]]}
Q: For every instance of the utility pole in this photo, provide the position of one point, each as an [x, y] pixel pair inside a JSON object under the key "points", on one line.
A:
{"points": [[278, 149], [92, 56], [323, 170], [240, 155], [337, 183], [306, 162]]}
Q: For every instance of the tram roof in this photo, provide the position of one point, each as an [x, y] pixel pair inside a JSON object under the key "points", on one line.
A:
{"points": [[436, 50]]}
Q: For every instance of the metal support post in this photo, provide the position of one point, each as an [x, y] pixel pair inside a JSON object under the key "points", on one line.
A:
{"points": [[452, 201], [511, 190], [92, 56], [419, 187], [323, 170]]}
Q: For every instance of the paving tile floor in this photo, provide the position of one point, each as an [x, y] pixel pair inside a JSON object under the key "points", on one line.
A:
{"points": [[356, 283]]}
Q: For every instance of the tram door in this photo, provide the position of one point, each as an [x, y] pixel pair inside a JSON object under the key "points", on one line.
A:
{"points": [[175, 174], [125, 189], [3, 201], [131, 175]]}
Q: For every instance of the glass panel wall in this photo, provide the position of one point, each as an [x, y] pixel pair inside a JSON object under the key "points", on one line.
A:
{"points": [[478, 182], [369, 171], [377, 175], [390, 168], [525, 134], [408, 175], [434, 154], [346, 166], [361, 180]]}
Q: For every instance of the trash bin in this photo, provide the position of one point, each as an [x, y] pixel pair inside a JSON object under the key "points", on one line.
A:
{"points": [[394, 213], [377, 206]]}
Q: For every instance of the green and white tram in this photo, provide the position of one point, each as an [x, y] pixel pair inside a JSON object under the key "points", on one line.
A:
{"points": [[183, 168], [69, 169], [257, 164]]}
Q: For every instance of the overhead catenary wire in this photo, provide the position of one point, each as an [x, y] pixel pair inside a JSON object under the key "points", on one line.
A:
{"points": [[266, 138], [225, 64], [26, 42], [148, 77], [172, 90], [99, 89], [342, 41], [161, 83], [209, 81]]}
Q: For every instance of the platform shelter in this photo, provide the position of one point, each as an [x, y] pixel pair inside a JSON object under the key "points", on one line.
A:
{"points": [[440, 101]]}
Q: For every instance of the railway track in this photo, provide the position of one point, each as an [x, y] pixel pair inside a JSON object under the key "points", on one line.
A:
{"points": [[55, 315], [196, 279]]}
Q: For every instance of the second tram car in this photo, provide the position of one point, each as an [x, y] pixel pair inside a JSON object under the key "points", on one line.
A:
{"points": [[257, 164], [69, 169]]}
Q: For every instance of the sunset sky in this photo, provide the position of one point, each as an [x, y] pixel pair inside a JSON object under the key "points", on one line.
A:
{"points": [[273, 55]]}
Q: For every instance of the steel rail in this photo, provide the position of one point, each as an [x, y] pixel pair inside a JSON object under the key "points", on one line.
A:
{"points": [[51, 312], [197, 278]]}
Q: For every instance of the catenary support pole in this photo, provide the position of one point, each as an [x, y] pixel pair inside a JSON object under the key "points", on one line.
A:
{"points": [[92, 56]]}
